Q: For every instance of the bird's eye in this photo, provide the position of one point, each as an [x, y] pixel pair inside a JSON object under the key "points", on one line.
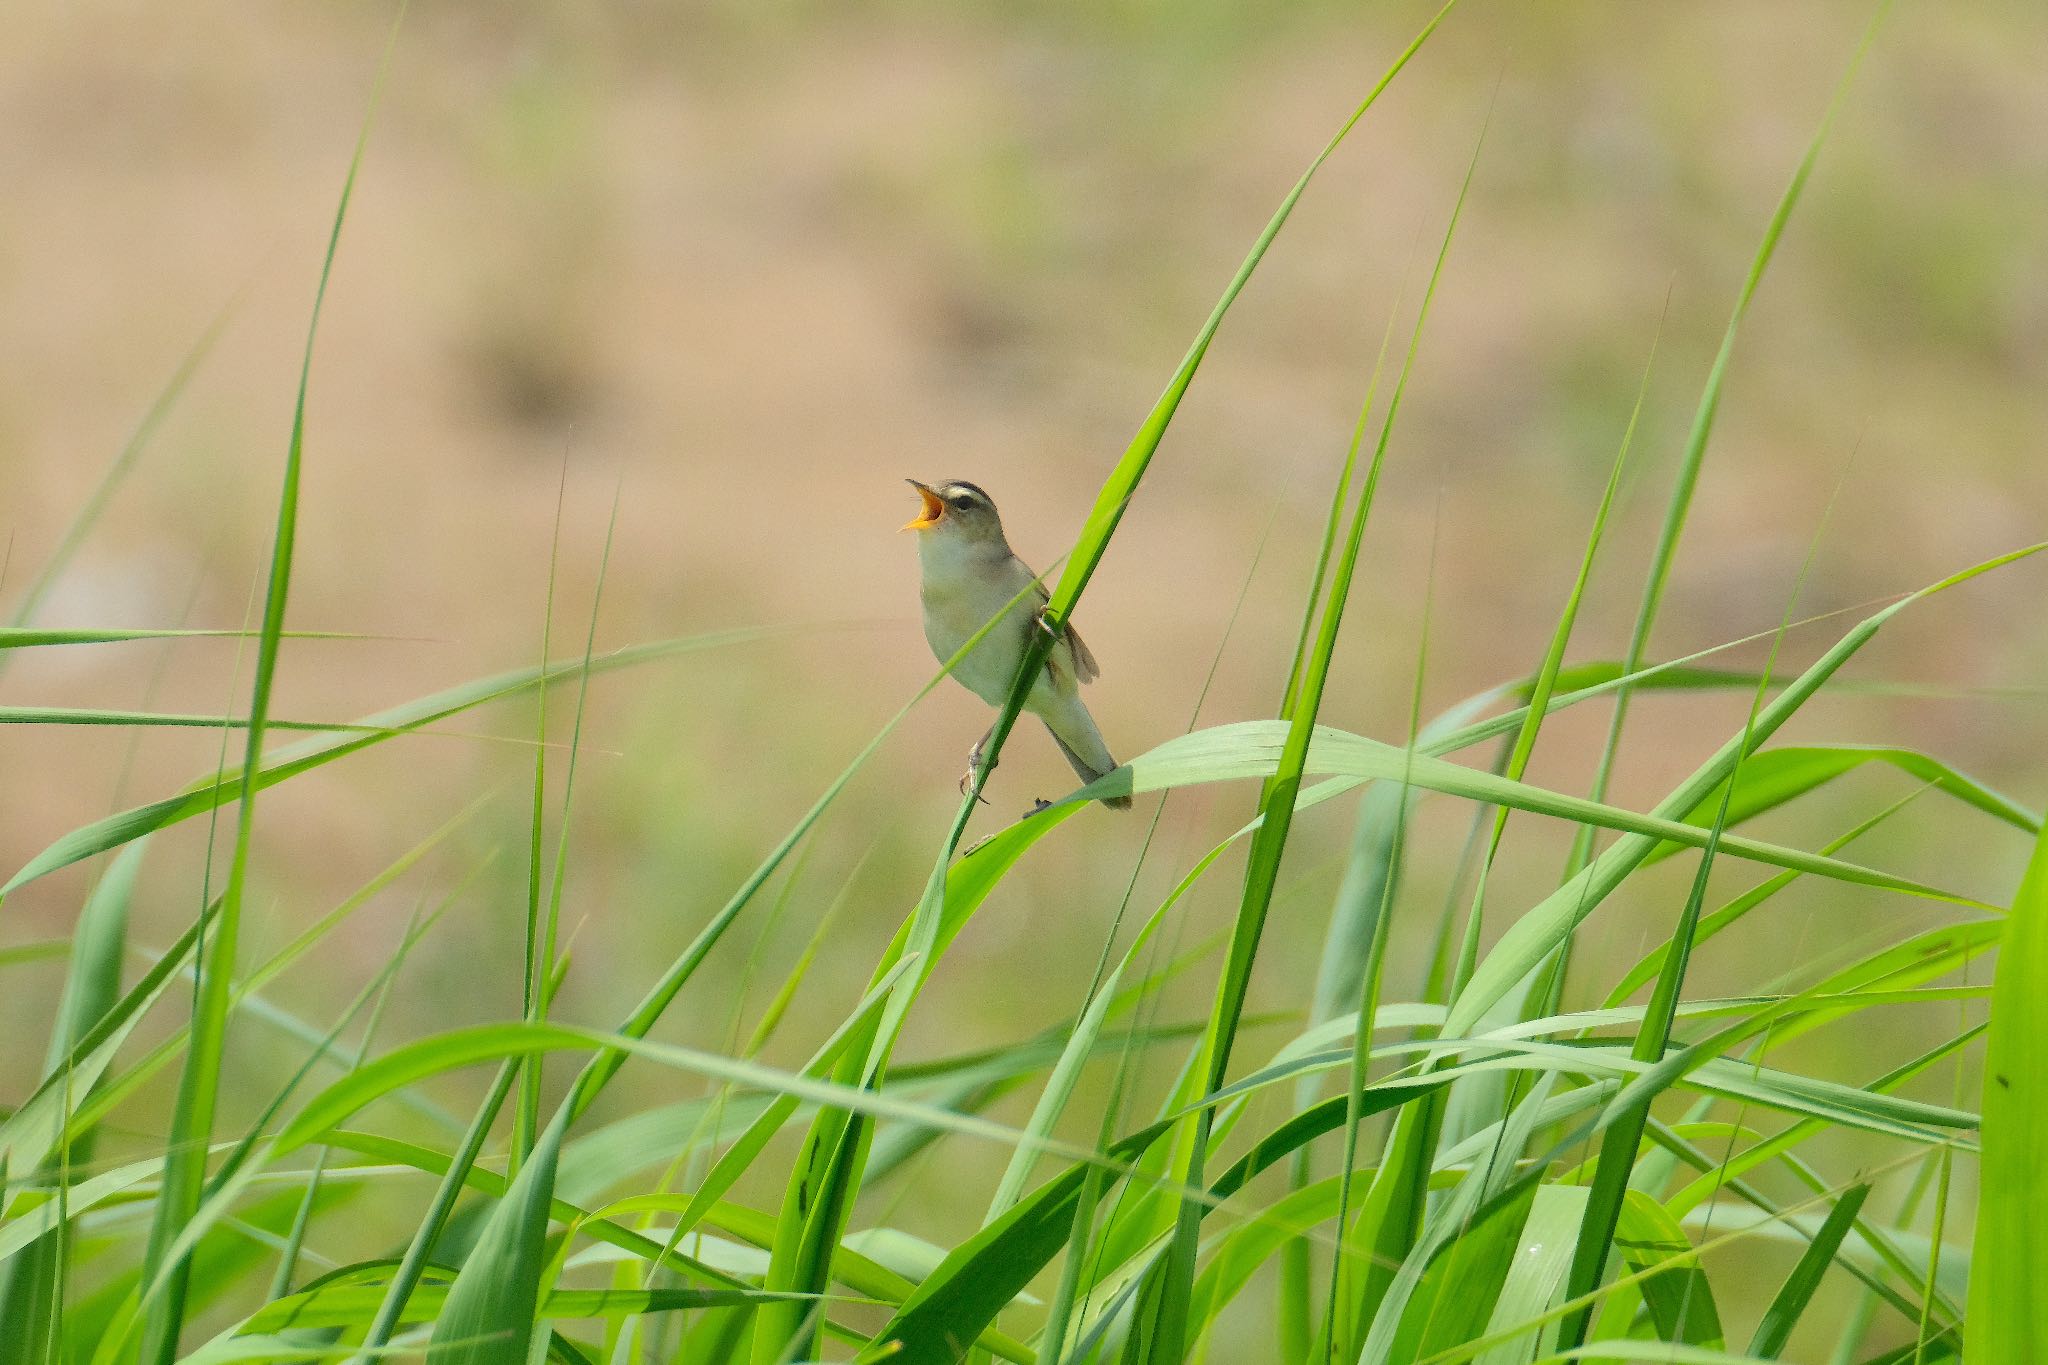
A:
{"points": [[963, 504]]}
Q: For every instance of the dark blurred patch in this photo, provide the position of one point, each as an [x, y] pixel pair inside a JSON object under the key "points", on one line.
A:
{"points": [[531, 377]]}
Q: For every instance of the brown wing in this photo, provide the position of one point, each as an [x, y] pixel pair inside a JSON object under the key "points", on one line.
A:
{"points": [[1085, 668]]}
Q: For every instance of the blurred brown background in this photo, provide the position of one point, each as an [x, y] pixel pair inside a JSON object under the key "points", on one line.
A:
{"points": [[750, 265]]}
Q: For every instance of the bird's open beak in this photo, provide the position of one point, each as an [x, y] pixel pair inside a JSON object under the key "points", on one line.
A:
{"points": [[933, 508]]}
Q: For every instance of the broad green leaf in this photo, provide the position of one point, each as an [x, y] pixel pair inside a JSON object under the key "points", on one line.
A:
{"points": [[491, 1307], [1457, 1293], [1253, 749], [1676, 1289], [1535, 1277]]}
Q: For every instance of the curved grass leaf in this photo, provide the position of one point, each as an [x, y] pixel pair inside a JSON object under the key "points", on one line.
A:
{"points": [[1775, 776], [1255, 749]]}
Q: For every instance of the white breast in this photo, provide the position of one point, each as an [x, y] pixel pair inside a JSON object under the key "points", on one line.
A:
{"points": [[963, 588]]}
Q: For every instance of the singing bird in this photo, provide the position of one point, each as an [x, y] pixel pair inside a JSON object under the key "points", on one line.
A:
{"points": [[971, 576]]}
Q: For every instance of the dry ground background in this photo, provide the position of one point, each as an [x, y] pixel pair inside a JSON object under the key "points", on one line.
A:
{"points": [[753, 264]]}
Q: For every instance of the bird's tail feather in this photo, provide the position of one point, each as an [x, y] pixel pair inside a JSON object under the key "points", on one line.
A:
{"points": [[1083, 746]]}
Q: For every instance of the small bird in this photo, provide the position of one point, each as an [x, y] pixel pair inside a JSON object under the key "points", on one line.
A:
{"points": [[971, 576]]}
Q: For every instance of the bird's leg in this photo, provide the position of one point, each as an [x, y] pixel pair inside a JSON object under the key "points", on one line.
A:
{"points": [[974, 765], [1052, 628]]}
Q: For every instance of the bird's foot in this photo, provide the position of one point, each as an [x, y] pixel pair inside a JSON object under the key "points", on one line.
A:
{"points": [[1039, 805], [1046, 623], [976, 767]]}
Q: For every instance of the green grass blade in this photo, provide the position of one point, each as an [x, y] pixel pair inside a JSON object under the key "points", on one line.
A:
{"points": [[248, 998], [1339, 500], [1741, 905], [434, 1218], [1166, 1330], [1790, 1302], [116, 473], [2008, 1313], [1247, 749], [1545, 686], [53, 1109], [92, 986], [42, 950], [1067, 1071], [245, 1160], [534, 965], [295, 1240], [1391, 1218], [335, 1304], [33, 637], [1123, 480], [192, 1120], [598, 1072], [1675, 1290], [1680, 504], [39, 1123], [736, 1160], [1495, 1183], [1457, 1295], [1610, 1197]]}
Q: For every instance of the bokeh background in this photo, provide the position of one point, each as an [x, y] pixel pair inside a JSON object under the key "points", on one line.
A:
{"points": [[744, 267]]}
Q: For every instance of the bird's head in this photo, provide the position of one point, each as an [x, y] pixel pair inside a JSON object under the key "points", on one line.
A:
{"points": [[958, 511]]}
